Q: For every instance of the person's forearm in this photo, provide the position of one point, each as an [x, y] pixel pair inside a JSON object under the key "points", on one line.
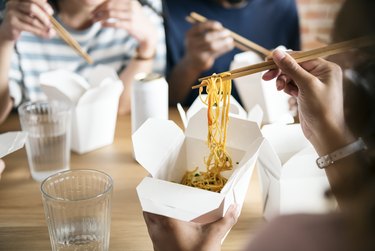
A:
{"points": [[343, 174], [127, 76], [180, 81], [6, 50]]}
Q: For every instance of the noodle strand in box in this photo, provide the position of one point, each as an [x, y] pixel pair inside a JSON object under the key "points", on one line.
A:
{"points": [[218, 160]]}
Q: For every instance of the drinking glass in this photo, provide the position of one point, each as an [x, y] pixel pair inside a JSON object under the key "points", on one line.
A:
{"points": [[77, 206], [48, 143]]}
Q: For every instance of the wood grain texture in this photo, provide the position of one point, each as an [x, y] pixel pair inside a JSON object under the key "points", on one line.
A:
{"points": [[22, 223]]}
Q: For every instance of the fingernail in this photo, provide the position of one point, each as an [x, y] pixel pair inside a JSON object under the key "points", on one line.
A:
{"points": [[225, 33], [279, 84], [278, 55], [49, 9]]}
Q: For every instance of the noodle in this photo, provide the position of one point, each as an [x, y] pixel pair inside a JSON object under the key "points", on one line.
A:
{"points": [[218, 160]]}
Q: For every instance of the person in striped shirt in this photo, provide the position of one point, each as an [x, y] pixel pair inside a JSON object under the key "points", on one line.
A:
{"points": [[118, 33]]}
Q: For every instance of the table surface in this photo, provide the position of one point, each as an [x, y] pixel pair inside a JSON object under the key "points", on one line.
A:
{"points": [[22, 222]]}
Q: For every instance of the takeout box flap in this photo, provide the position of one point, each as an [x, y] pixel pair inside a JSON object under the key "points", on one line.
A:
{"points": [[302, 164], [269, 160], [247, 163], [155, 141], [69, 84], [235, 109], [256, 114], [108, 89], [11, 141], [100, 74], [249, 130], [176, 200], [285, 139], [53, 93]]}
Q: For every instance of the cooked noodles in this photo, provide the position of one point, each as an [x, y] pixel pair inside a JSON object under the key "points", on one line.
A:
{"points": [[218, 160]]}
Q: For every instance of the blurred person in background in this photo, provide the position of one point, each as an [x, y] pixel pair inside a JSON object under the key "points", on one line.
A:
{"points": [[118, 33], [335, 109], [205, 48]]}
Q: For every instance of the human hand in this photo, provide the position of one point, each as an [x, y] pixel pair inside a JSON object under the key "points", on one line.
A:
{"points": [[129, 15], [205, 42], [317, 85], [173, 235], [26, 15]]}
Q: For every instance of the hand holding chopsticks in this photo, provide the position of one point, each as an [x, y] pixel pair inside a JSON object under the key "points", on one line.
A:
{"points": [[300, 57], [69, 39], [240, 42]]}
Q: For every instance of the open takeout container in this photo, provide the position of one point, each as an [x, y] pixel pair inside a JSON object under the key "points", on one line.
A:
{"points": [[253, 90], [94, 101], [235, 110], [11, 141], [166, 152], [289, 178]]}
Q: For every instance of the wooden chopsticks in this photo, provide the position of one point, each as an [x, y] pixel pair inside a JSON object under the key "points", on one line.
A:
{"points": [[240, 42], [300, 57], [69, 39]]}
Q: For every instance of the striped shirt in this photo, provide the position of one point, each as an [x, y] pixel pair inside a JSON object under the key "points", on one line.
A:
{"points": [[112, 47]]}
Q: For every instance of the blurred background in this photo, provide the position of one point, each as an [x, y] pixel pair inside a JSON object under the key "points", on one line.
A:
{"points": [[316, 21]]}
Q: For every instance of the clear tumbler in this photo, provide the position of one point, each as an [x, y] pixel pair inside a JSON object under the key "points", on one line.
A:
{"points": [[77, 206], [48, 144]]}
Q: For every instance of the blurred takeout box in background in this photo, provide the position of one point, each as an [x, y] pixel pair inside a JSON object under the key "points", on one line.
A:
{"points": [[166, 152], [94, 101], [11, 141], [290, 180], [255, 91]]}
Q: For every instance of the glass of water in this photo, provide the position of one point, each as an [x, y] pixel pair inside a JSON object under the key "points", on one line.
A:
{"points": [[48, 144], [77, 205]]}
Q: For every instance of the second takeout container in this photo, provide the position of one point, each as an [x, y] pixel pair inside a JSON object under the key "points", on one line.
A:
{"points": [[253, 90], [11, 141], [166, 152], [290, 180], [94, 101]]}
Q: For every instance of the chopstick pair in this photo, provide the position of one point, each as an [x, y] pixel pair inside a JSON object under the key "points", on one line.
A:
{"points": [[240, 42], [300, 57], [69, 39]]}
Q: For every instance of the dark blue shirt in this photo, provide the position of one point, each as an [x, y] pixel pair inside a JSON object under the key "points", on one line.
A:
{"points": [[269, 23]]}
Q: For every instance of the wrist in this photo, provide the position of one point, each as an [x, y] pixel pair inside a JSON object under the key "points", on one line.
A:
{"points": [[341, 153], [146, 49], [194, 66], [330, 138], [5, 40]]}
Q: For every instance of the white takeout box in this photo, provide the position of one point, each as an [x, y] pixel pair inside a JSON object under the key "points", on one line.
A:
{"points": [[11, 141], [253, 90], [94, 101], [235, 110], [291, 182], [163, 149]]}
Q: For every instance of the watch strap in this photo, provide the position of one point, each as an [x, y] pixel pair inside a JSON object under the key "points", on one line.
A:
{"points": [[341, 153]]}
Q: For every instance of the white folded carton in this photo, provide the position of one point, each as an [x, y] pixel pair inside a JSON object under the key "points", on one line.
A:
{"points": [[235, 110], [253, 90], [11, 141], [163, 149], [94, 101], [290, 180]]}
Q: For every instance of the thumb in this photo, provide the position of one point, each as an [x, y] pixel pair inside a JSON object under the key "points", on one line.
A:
{"points": [[290, 67], [222, 226]]}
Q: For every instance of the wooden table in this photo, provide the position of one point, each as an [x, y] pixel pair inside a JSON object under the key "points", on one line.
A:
{"points": [[22, 222]]}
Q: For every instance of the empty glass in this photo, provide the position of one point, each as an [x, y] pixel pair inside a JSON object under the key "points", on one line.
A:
{"points": [[48, 144], [77, 205]]}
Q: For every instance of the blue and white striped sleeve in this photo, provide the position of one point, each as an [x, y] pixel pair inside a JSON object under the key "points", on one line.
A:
{"points": [[15, 80]]}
